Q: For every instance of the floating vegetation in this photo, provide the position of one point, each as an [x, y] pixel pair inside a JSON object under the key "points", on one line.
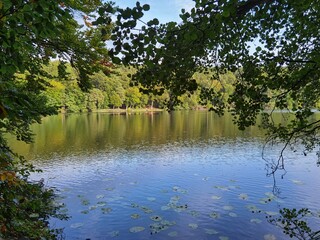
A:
{"points": [[216, 197], [243, 196], [205, 178], [270, 213], [85, 212], [194, 213], [165, 208], [156, 218], [297, 182], [214, 215], [210, 231], [223, 188], [265, 200], [110, 189], [151, 199], [161, 226], [76, 225], [114, 234], [101, 204], [174, 199], [133, 183], [164, 191], [135, 216], [173, 234], [136, 229], [179, 190], [253, 208], [85, 202], [93, 207], [223, 238], [146, 209], [256, 220], [269, 237], [134, 205], [100, 196], [193, 225], [227, 208], [232, 214], [106, 210]]}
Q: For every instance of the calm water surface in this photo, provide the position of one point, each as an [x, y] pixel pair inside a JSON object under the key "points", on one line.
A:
{"points": [[185, 175]]}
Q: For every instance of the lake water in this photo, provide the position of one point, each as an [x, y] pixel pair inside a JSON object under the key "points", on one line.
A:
{"points": [[184, 175]]}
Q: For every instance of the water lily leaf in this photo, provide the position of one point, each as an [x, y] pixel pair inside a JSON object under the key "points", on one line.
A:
{"points": [[165, 208], [193, 225], [253, 208], [194, 213], [265, 200], [255, 220], [174, 199], [210, 231], [223, 188], [134, 205], [100, 196], [232, 214], [152, 199], [93, 207], [270, 213], [173, 234], [101, 204], [269, 237], [223, 238], [110, 189], [214, 215], [156, 218], [146, 209], [76, 225], [85, 212], [136, 229], [85, 202], [135, 216], [106, 210], [216, 197], [297, 182], [243, 196], [205, 178], [227, 207], [114, 233]]}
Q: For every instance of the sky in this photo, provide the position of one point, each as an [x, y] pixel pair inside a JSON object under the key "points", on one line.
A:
{"points": [[164, 10]]}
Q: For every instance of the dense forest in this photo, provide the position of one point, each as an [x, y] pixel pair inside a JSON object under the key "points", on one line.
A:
{"points": [[114, 90]]}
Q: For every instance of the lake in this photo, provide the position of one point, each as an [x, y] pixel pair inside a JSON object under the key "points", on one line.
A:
{"points": [[181, 175]]}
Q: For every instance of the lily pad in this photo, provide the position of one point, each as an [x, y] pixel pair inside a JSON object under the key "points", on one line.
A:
{"points": [[135, 216], [194, 213], [114, 234], [193, 225], [227, 207], [214, 215], [243, 196], [216, 197], [269, 237], [76, 225], [210, 231], [232, 214], [100, 196], [106, 210], [165, 208], [223, 238], [173, 234], [270, 213], [151, 199], [156, 218], [136, 229], [85, 212], [256, 220], [146, 209], [101, 204]]}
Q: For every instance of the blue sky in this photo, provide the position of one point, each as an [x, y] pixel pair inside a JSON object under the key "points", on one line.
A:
{"points": [[164, 10]]}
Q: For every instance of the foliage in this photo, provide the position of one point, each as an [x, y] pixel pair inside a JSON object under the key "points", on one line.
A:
{"points": [[31, 34], [292, 224], [272, 48]]}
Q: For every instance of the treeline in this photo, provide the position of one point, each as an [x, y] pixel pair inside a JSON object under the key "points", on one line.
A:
{"points": [[112, 91]]}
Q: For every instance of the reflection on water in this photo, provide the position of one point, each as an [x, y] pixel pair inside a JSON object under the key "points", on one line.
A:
{"points": [[185, 175]]}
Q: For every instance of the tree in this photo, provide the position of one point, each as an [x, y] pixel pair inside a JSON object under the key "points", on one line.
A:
{"points": [[272, 47], [31, 34]]}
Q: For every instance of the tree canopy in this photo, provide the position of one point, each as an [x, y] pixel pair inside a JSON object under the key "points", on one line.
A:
{"points": [[32, 33], [272, 47]]}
